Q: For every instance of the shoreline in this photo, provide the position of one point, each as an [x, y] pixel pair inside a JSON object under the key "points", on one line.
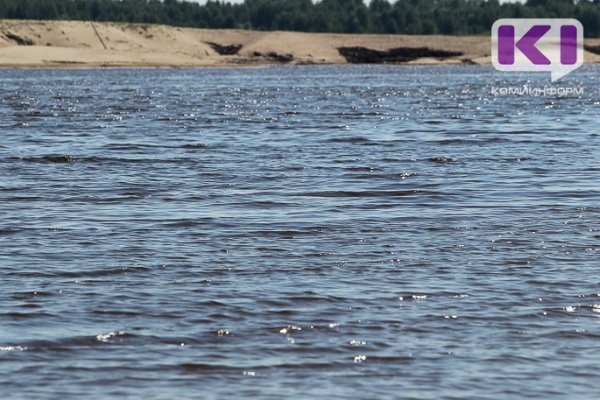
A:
{"points": [[83, 44]]}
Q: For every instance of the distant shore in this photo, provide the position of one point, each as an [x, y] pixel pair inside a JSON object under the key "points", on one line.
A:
{"points": [[26, 43]]}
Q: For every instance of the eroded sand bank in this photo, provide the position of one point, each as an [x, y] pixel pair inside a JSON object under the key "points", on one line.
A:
{"points": [[79, 43]]}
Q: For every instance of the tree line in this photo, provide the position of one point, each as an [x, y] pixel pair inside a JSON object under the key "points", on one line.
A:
{"points": [[427, 17]]}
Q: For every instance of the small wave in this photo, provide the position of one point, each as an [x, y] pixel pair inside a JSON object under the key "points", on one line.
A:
{"points": [[50, 159], [66, 159], [371, 193], [362, 169], [132, 146], [572, 334], [442, 160], [389, 359], [413, 297], [31, 294], [194, 146], [95, 273], [23, 315], [353, 140], [13, 348], [205, 367], [106, 337], [188, 223], [285, 233], [124, 160], [10, 231]]}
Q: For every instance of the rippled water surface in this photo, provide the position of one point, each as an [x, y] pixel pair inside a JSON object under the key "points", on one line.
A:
{"points": [[340, 232]]}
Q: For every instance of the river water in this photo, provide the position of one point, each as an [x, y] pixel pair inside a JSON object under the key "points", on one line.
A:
{"points": [[339, 232]]}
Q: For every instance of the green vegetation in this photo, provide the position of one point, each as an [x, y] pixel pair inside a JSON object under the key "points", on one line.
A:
{"points": [[450, 17]]}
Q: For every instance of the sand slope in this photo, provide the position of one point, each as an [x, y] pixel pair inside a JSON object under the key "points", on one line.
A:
{"points": [[75, 43]]}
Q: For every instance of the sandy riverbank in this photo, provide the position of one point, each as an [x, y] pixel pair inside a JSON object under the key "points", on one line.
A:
{"points": [[78, 44]]}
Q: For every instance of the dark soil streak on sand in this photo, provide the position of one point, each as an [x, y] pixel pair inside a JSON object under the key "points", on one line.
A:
{"points": [[225, 50], [363, 55]]}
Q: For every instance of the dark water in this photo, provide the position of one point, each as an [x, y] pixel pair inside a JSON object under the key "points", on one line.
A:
{"points": [[339, 232]]}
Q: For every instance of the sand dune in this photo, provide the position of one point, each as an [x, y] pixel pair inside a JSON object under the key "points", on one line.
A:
{"points": [[77, 43]]}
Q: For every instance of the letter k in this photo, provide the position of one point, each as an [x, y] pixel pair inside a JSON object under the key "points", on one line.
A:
{"points": [[527, 45]]}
